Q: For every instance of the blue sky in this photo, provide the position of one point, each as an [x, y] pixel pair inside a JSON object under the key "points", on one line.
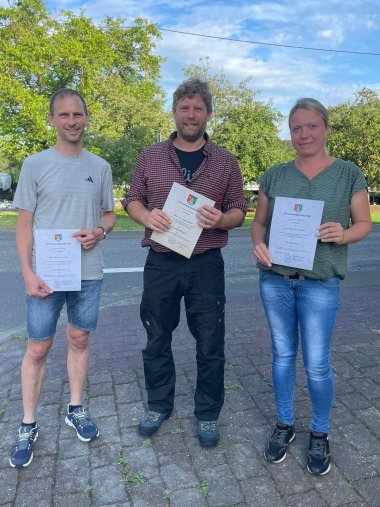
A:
{"points": [[279, 73]]}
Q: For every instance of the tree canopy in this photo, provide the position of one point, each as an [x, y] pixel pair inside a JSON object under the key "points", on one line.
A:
{"points": [[355, 133], [243, 124], [112, 66], [116, 69]]}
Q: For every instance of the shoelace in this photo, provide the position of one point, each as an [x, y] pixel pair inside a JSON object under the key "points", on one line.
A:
{"points": [[25, 436], [153, 416], [208, 426], [318, 447], [80, 415], [278, 436]]}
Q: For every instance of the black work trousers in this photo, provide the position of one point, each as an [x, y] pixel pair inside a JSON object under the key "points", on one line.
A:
{"points": [[200, 281]]}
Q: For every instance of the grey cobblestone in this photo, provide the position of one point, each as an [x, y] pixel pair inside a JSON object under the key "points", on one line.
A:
{"points": [[121, 469], [187, 498], [223, 492], [41, 488], [108, 485], [177, 470]]}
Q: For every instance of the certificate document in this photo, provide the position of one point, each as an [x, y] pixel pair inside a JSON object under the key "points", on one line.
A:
{"points": [[293, 234], [182, 205], [58, 258]]}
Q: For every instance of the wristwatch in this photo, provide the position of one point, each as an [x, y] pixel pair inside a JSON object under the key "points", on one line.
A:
{"points": [[104, 231]]}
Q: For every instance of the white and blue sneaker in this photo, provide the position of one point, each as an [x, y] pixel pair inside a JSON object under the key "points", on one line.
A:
{"points": [[80, 421], [22, 450]]}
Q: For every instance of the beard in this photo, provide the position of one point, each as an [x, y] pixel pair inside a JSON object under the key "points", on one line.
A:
{"points": [[191, 135]]}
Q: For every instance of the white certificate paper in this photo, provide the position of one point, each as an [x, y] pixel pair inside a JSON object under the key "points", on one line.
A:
{"points": [[293, 234], [58, 259], [182, 205]]}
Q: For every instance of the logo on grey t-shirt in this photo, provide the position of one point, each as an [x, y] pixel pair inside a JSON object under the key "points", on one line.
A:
{"points": [[89, 179]]}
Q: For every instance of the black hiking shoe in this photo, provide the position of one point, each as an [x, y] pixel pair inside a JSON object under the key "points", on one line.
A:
{"points": [[151, 423]]}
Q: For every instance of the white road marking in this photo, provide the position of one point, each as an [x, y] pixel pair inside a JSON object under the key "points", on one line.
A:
{"points": [[123, 270]]}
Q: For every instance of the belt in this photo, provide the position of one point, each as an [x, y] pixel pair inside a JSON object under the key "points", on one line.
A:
{"points": [[295, 276]]}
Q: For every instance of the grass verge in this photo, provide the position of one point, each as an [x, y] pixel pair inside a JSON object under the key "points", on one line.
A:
{"points": [[124, 222]]}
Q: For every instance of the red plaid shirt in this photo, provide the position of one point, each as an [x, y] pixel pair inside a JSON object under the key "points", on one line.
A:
{"points": [[218, 178]]}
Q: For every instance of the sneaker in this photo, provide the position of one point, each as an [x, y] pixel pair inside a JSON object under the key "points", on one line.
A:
{"points": [[151, 423], [208, 433], [318, 456], [22, 449], [275, 451], [78, 419]]}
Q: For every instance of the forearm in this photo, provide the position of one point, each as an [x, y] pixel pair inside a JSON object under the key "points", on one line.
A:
{"points": [[232, 218], [258, 232], [24, 243], [108, 221], [356, 232], [138, 212]]}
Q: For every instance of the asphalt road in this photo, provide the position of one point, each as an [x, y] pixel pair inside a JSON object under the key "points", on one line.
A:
{"points": [[122, 250]]}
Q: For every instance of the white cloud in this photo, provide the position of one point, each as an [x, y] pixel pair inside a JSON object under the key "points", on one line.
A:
{"points": [[283, 74]]}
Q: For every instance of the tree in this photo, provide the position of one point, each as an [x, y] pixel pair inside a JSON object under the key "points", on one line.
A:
{"points": [[355, 133], [242, 124], [122, 152], [112, 66]]}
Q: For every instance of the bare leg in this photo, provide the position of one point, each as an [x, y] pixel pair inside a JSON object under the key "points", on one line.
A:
{"points": [[32, 374], [77, 362]]}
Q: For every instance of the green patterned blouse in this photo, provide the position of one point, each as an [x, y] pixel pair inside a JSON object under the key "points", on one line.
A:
{"points": [[335, 185]]}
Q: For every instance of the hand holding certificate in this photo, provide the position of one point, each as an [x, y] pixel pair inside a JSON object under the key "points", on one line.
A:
{"points": [[182, 205], [293, 234], [58, 259]]}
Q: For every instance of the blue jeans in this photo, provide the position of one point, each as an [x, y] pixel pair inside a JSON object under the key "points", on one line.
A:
{"points": [[307, 308], [82, 310]]}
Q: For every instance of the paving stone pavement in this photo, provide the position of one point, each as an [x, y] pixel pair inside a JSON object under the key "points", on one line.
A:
{"points": [[122, 469]]}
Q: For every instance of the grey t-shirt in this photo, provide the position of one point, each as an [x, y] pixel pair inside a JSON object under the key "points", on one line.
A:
{"points": [[67, 192]]}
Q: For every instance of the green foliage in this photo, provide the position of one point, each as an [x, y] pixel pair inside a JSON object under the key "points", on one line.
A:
{"points": [[128, 474], [8, 219], [204, 488], [355, 133], [242, 124], [113, 67], [124, 222], [232, 387], [167, 494], [122, 152]]}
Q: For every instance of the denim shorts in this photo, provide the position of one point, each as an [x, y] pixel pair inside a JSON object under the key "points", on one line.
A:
{"points": [[82, 310]]}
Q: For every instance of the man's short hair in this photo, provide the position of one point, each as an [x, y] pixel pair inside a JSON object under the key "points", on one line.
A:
{"points": [[192, 87], [66, 92]]}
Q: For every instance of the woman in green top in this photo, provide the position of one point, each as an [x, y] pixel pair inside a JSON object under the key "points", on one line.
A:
{"points": [[300, 301]]}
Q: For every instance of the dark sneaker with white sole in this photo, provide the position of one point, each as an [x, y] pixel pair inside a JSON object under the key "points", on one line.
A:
{"points": [[318, 455], [208, 433], [275, 451], [22, 450], [151, 423], [80, 421]]}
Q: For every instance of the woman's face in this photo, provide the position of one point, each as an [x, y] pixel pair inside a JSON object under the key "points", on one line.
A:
{"points": [[308, 133]]}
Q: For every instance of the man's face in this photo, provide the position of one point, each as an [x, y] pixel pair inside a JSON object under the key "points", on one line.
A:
{"points": [[69, 119], [191, 118]]}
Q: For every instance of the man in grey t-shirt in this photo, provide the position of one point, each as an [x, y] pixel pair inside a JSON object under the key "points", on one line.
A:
{"points": [[64, 187]]}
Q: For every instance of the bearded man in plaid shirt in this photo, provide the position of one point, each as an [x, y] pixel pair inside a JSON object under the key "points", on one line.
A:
{"points": [[189, 158]]}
